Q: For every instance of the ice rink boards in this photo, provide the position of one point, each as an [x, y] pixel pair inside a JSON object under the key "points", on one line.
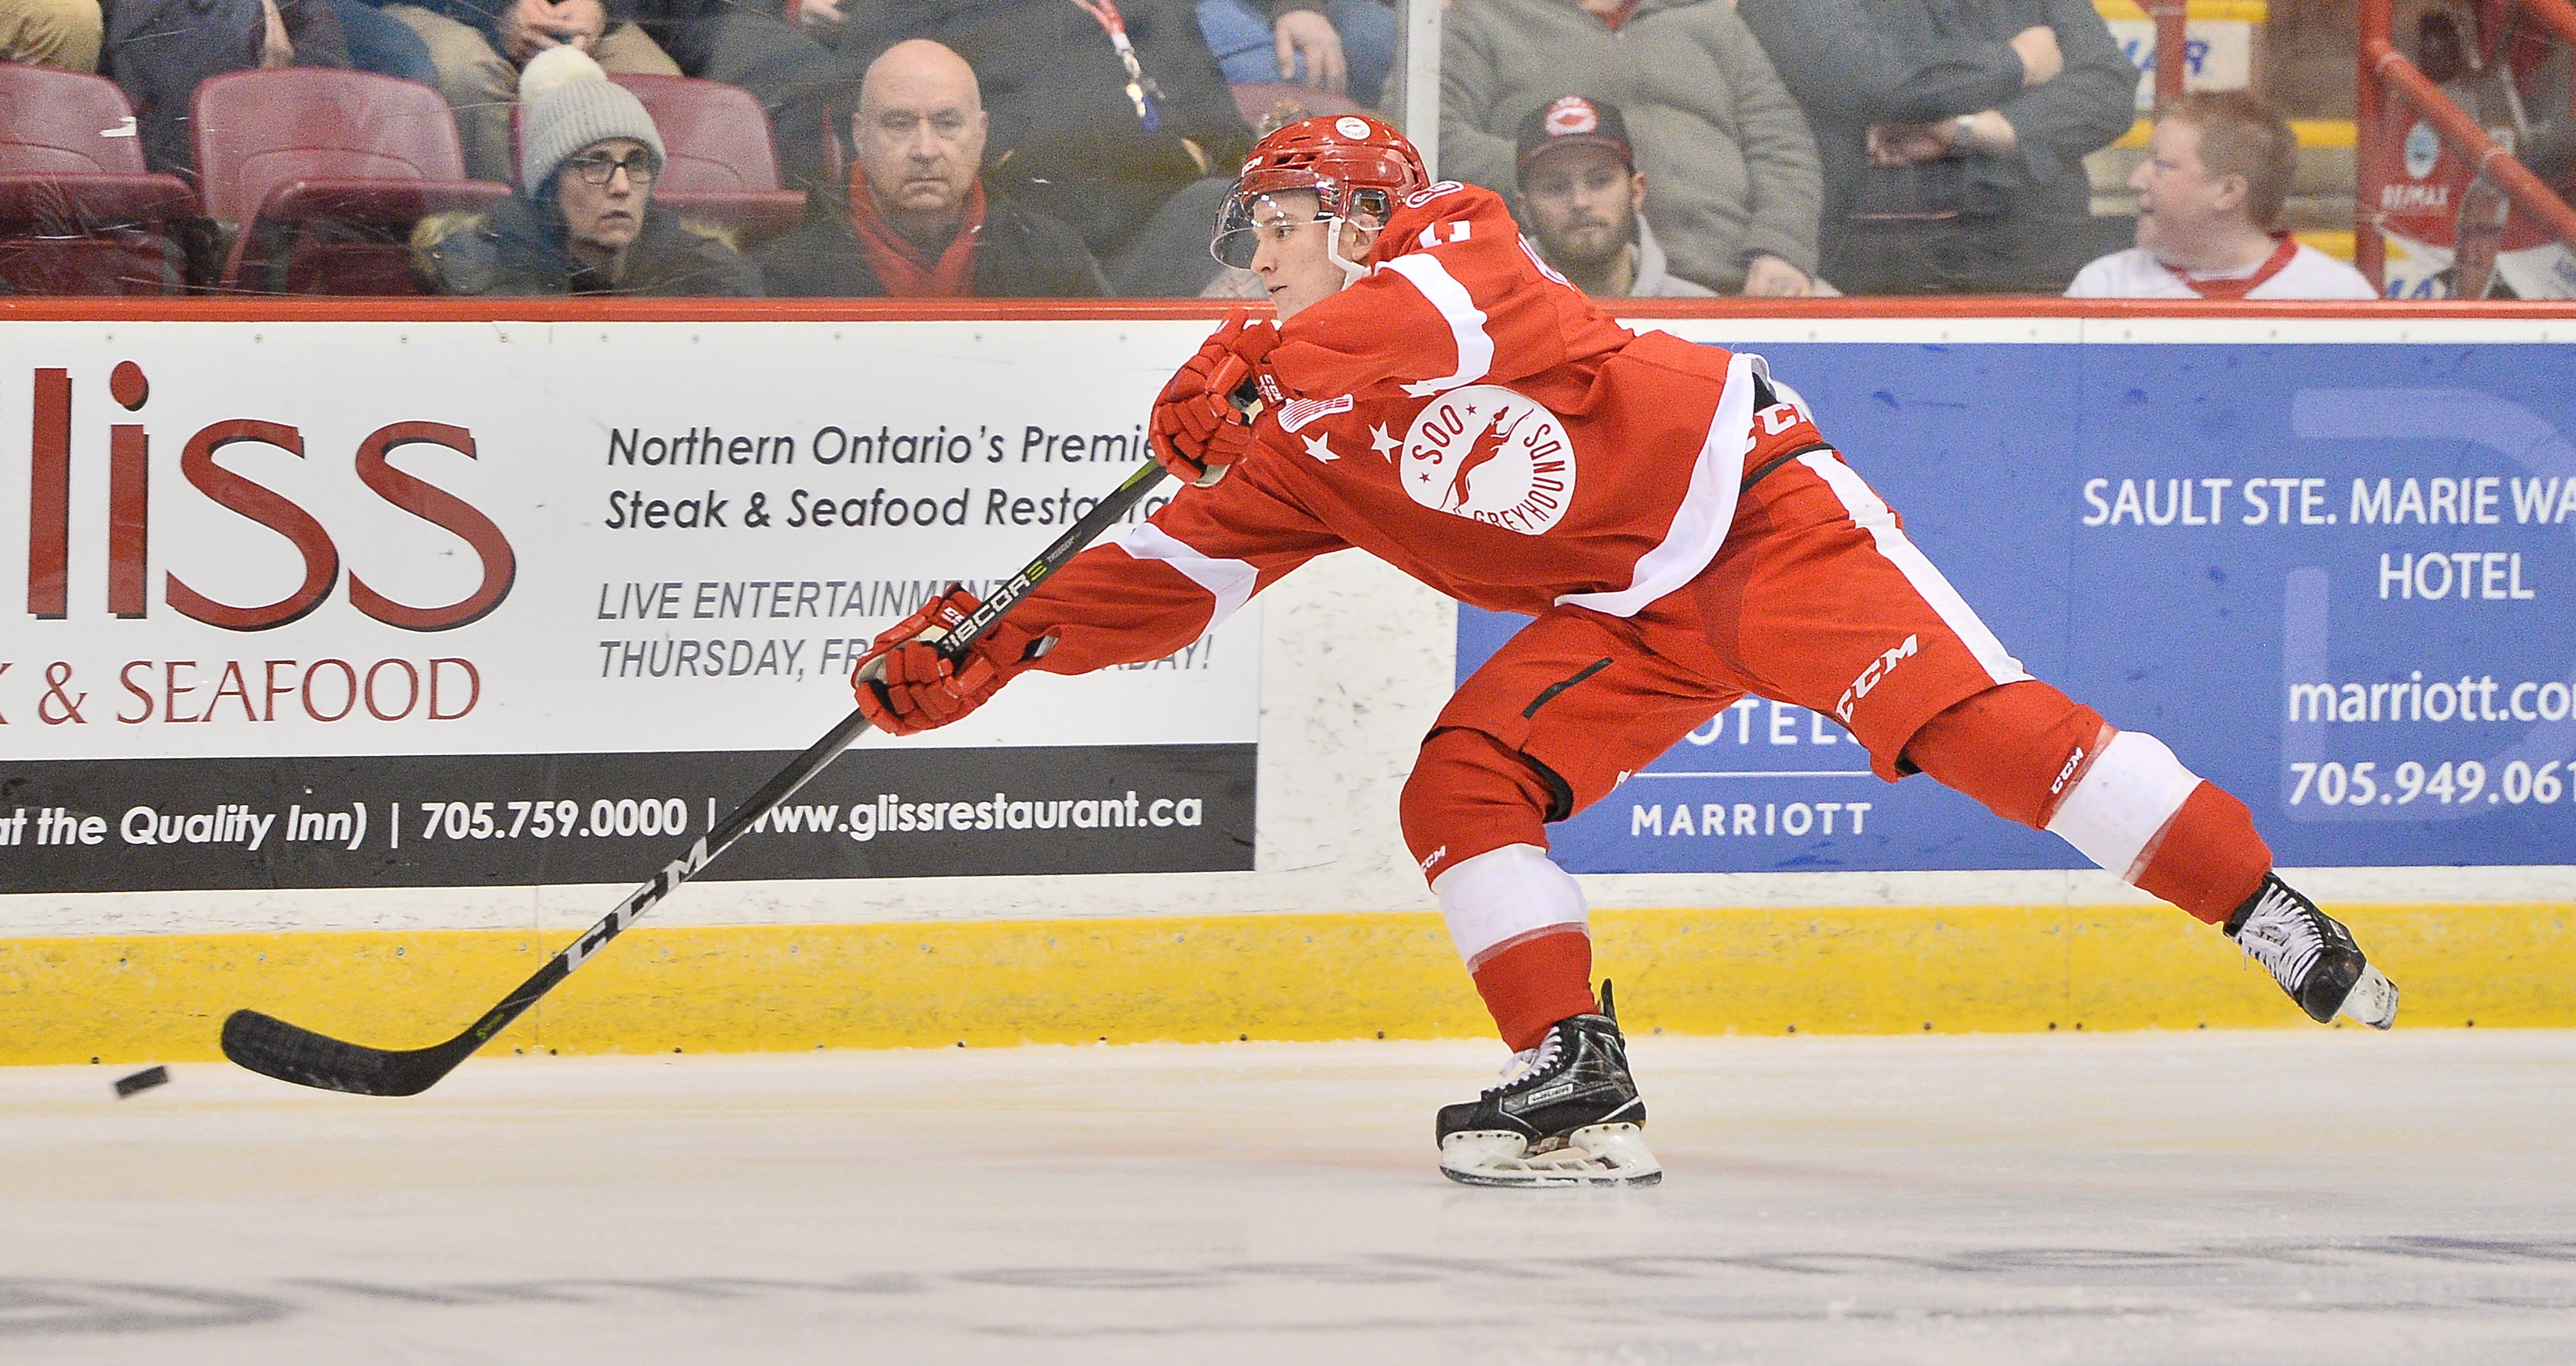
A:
{"points": [[2282, 1197]]}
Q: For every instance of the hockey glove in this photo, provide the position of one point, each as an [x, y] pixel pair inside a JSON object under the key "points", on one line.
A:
{"points": [[905, 686], [1203, 419]]}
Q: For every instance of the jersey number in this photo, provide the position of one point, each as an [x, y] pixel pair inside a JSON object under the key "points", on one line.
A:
{"points": [[1457, 233]]}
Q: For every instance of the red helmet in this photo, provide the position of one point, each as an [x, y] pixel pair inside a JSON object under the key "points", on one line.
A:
{"points": [[1353, 163]]}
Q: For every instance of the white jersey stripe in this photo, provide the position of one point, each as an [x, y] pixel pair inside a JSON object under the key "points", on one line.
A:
{"points": [[1872, 515], [1230, 582], [1466, 321], [1700, 524]]}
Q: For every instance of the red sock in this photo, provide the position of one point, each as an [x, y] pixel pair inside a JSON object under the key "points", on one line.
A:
{"points": [[1531, 984], [2207, 859]]}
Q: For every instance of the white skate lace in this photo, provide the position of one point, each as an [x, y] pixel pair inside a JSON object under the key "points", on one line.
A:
{"points": [[2282, 935], [1527, 1063]]}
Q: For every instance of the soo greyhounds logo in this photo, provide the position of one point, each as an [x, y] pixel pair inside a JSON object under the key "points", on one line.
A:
{"points": [[1491, 455]]}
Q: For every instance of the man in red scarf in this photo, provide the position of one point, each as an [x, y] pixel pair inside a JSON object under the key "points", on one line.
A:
{"points": [[913, 220]]}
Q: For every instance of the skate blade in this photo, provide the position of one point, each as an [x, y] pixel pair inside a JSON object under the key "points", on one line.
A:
{"points": [[1596, 1155], [2373, 999]]}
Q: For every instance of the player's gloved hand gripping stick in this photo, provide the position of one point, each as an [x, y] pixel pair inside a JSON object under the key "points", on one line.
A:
{"points": [[272, 1047], [1195, 431]]}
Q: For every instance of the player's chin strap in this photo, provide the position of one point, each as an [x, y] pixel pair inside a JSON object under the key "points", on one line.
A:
{"points": [[1351, 270]]}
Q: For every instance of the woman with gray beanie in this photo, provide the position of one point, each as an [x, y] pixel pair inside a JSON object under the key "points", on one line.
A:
{"points": [[584, 220]]}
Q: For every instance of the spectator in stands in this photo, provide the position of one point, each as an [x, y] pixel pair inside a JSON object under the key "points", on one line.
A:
{"points": [[1734, 170], [159, 51], [478, 46], [1953, 134], [2209, 192], [777, 50], [1345, 47], [1107, 115], [304, 33], [1582, 193], [913, 220], [383, 44], [584, 220], [62, 33]]}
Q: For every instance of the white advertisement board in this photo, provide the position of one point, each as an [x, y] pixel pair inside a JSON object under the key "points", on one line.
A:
{"points": [[2218, 54], [408, 604]]}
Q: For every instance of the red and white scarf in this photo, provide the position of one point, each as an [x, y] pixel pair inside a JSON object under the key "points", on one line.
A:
{"points": [[904, 269]]}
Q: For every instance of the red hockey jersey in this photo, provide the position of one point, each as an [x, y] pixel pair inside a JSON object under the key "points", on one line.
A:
{"points": [[1461, 413]]}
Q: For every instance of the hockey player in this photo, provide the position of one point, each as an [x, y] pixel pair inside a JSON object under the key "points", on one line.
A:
{"points": [[1684, 536]]}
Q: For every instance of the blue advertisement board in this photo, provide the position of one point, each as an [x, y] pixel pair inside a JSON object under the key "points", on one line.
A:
{"points": [[2339, 580]]}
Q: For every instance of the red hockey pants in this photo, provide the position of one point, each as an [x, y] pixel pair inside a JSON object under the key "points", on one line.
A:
{"points": [[1817, 599]]}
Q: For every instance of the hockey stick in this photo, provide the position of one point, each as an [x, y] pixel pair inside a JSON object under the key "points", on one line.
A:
{"points": [[272, 1047]]}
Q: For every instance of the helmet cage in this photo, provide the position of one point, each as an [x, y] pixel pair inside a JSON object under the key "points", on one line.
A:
{"points": [[1238, 233], [1348, 175]]}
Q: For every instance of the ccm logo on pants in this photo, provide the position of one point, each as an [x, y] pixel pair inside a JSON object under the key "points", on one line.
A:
{"points": [[1878, 669]]}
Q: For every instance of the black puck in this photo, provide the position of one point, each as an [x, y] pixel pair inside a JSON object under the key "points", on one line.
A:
{"points": [[144, 1080]]}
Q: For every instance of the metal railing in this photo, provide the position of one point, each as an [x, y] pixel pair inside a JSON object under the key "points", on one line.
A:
{"points": [[2386, 73], [2173, 50]]}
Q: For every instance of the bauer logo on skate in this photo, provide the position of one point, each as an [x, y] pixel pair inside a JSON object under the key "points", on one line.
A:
{"points": [[1493, 456]]}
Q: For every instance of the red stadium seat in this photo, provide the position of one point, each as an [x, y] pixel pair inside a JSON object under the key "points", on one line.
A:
{"points": [[325, 173], [1258, 100], [78, 213], [723, 170], [836, 154]]}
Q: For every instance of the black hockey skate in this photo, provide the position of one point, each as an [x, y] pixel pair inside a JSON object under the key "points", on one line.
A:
{"points": [[2312, 956], [1567, 1115]]}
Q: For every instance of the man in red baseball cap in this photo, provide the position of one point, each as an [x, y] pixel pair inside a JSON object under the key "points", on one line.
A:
{"points": [[1585, 199]]}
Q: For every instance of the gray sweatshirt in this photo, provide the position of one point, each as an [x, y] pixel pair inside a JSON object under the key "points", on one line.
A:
{"points": [[1730, 169], [1654, 280]]}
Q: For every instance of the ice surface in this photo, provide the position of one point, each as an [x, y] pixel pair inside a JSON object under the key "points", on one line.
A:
{"points": [[2309, 1196]]}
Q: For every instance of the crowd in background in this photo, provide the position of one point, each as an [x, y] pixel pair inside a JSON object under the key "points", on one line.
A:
{"points": [[1067, 148]]}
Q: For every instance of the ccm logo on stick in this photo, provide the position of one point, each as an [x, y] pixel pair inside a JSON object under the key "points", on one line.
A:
{"points": [[129, 515]]}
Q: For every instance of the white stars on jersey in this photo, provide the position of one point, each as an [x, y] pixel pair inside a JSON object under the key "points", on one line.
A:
{"points": [[1383, 442], [1317, 447]]}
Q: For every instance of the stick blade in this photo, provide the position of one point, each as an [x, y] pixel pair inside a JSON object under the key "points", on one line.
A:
{"points": [[273, 1048]]}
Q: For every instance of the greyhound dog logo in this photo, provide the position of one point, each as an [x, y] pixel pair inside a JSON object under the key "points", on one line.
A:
{"points": [[1490, 455]]}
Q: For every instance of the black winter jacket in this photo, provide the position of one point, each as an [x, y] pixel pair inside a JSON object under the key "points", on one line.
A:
{"points": [[517, 250], [1020, 255], [1852, 63]]}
